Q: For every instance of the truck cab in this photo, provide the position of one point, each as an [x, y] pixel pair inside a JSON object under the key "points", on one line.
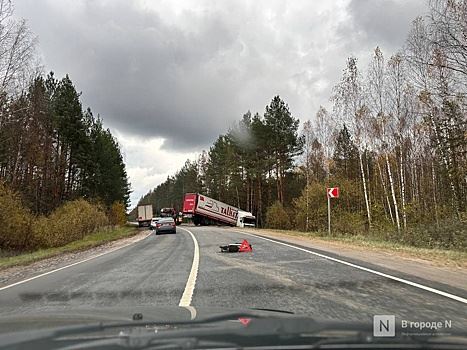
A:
{"points": [[245, 219]]}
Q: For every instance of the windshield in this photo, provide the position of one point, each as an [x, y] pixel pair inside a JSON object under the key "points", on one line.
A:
{"points": [[249, 221], [311, 162]]}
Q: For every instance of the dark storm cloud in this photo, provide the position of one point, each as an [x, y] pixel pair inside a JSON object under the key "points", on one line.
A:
{"points": [[188, 73], [149, 78]]}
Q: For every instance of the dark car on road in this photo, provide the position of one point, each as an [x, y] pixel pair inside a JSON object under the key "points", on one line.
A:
{"points": [[166, 225]]}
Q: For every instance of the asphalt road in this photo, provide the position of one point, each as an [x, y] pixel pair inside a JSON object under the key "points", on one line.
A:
{"points": [[155, 271]]}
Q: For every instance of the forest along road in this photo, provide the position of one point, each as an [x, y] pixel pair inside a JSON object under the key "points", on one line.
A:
{"points": [[159, 270]]}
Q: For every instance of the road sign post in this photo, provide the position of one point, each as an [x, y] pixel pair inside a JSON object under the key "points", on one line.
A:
{"points": [[331, 192]]}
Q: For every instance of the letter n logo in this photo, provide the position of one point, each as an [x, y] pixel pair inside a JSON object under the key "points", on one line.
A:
{"points": [[384, 325]]}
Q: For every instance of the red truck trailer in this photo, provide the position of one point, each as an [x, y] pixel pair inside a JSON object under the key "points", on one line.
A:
{"points": [[203, 210]]}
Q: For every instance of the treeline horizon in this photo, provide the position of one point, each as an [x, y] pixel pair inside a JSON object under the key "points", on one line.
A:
{"points": [[395, 142], [52, 150]]}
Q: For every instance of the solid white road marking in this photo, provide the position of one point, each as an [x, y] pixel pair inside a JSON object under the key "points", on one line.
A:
{"points": [[67, 266], [191, 282], [402, 280]]}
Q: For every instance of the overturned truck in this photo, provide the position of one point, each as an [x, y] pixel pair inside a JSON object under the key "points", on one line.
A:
{"points": [[203, 210]]}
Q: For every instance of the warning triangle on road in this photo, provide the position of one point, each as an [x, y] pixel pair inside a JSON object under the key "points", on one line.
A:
{"points": [[245, 246]]}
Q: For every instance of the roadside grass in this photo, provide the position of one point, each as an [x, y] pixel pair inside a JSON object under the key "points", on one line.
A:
{"points": [[92, 240], [444, 257]]}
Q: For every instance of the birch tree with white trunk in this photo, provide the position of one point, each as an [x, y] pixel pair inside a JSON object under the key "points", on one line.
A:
{"points": [[381, 119], [350, 107]]}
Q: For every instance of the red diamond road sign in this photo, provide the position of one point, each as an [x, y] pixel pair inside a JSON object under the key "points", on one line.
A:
{"points": [[333, 192]]}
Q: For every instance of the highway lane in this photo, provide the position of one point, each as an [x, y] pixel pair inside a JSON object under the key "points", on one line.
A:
{"points": [[150, 272], [279, 277], [154, 272]]}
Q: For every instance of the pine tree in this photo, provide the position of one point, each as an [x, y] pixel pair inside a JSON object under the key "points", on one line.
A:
{"points": [[284, 143], [345, 156]]}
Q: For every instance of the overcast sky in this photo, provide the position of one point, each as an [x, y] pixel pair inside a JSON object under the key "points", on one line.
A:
{"points": [[169, 76]]}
